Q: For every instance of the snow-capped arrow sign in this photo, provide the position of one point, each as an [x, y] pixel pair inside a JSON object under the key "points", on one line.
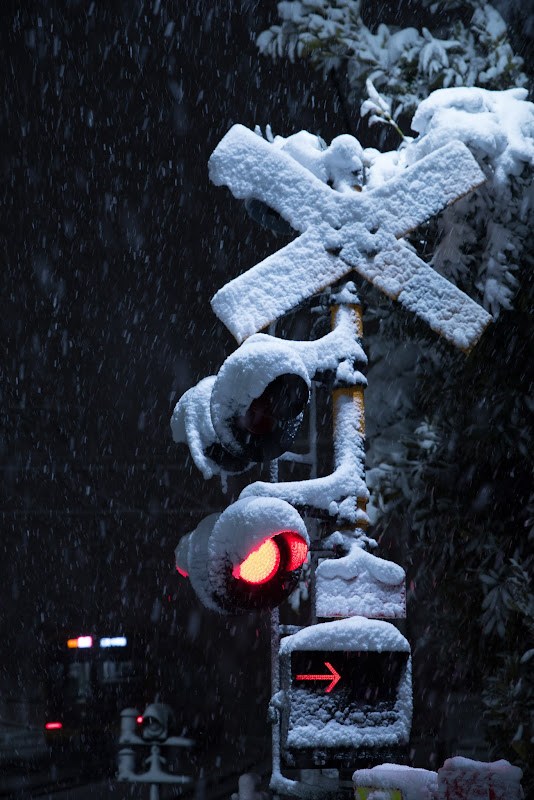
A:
{"points": [[345, 231]]}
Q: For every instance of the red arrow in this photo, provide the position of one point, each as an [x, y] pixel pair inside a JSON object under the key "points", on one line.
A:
{"points": [[333, 677]]}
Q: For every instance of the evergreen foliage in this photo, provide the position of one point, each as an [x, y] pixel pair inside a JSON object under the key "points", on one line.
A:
{"points": [[451, 439], [406, 64]]}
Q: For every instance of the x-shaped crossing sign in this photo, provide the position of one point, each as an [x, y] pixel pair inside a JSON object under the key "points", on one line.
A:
{"points": [[345, 231]]}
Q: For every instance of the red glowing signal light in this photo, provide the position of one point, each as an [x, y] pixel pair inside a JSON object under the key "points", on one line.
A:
{"points": [[139, 720], [298, 550], [260, 565], [53, 726]]}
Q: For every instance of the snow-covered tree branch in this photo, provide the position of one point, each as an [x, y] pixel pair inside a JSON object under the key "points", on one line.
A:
{"points": [[407, 64], [463, 495]]}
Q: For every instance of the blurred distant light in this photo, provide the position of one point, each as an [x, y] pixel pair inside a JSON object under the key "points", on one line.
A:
{"points": [[85, 641], [113, 641], [139, 720], [53, 726], [81, 641]]}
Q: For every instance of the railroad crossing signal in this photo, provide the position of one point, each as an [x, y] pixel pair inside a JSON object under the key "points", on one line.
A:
{"points": [[343, 687], [342, 232], [249, 557]]}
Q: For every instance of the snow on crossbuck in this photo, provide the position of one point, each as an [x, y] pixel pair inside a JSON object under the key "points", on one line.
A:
{"points": [[342, 231], [341, 689]]}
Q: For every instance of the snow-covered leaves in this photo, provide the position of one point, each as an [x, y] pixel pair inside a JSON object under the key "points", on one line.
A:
{"points": [[406, 63], [461, 479], [479, 241], [482, 239], [378, 108], [509, 692]]}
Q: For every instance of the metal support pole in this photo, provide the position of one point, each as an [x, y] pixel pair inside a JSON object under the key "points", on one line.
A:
{"points": [[154, 791], [349, 420], [275, 688]]}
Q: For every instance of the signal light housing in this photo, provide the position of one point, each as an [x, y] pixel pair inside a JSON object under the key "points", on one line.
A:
{"points": [[191, 423], [249, 557], [258, 399], [158, 720]]}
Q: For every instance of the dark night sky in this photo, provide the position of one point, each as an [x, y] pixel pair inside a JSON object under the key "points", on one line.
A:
{"points": [[112, 243]]}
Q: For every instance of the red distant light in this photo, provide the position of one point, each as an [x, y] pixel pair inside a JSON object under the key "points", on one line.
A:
{"points": [[260, 565], [182, 572], [139, 720], [53, 726], [298, 549]]}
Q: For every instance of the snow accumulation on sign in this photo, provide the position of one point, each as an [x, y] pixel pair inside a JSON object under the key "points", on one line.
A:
{"points": [[347, 686], [342, 231], [362, 584]]}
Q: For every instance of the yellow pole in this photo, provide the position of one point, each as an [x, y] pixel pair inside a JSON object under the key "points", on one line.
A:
{"points": [[349, 416]]}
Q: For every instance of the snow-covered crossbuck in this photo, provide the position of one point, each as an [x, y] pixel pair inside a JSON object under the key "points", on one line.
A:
{"points": [[342, 231], [341, 689]]}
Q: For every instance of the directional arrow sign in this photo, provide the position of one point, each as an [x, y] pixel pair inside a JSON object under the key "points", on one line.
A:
{"points": [[345, 231], [332, 676], [368, 710]]}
